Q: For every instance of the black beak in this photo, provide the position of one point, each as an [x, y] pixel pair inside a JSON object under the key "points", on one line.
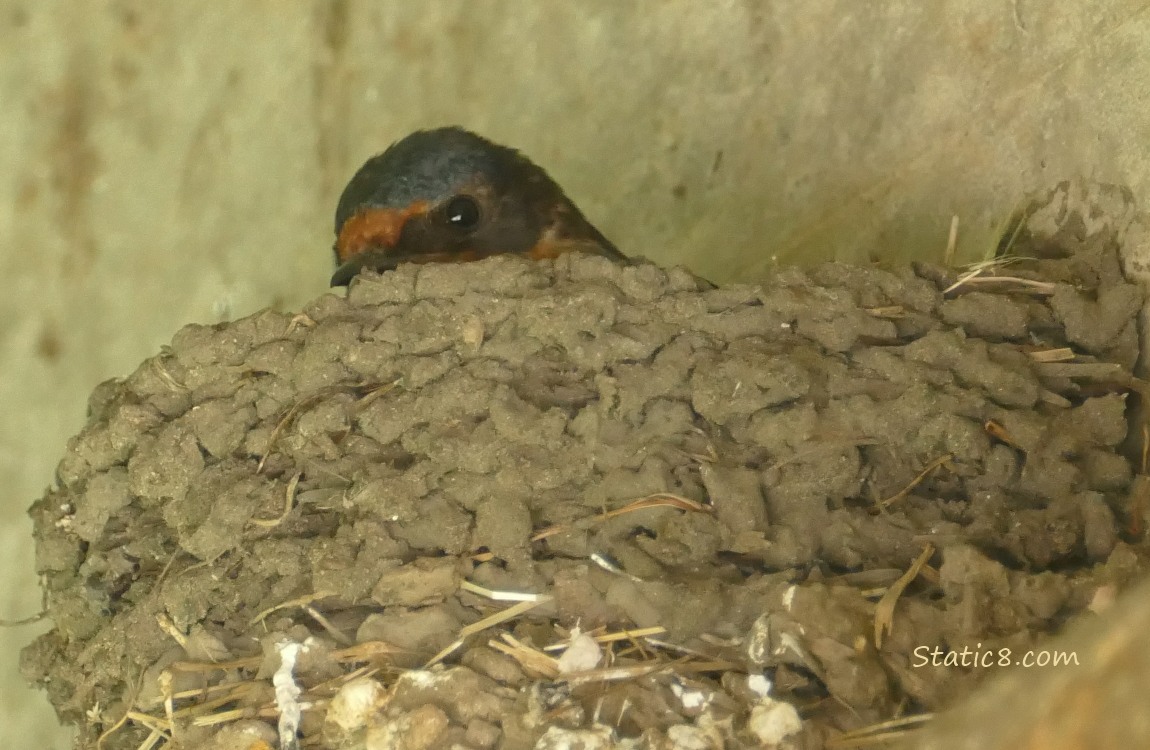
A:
{"points": [[376, 260]]}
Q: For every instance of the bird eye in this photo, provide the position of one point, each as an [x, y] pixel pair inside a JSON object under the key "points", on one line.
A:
{"points": [[462, 212]]}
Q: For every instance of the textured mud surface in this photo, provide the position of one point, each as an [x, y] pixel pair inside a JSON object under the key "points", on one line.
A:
{"points": [[350, 479]]}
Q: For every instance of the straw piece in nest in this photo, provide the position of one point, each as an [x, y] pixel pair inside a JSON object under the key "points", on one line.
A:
{"points": [[289, 502], [884, 610], [881, 733], [617, 674], [157, 365], [620, 635], [1108, 374], [916, 481], [297, 602], [500, 596], [299, 320], [1052, 398], [1031, 286], [683, 665], [366, 393], [951, 242], [891, 312], [502, 616], [657, 500], [327, 625], [1000, 433], [487, 622], [974, 270], [531, 659], [537, 661], [1063, 354], [204, 714], [157, 736]]}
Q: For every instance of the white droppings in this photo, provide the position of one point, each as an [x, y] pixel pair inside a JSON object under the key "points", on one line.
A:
{"points": [[759, 639], [684, 737], [759, 685], [287, 693], [422, 678], [582, 654], [773, 721], [355, 704], [692, 699], [598, 737]]}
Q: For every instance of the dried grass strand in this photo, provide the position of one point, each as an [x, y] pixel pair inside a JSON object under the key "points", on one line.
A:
{"points": [[884, 609], [922, 475], [657, 500]]}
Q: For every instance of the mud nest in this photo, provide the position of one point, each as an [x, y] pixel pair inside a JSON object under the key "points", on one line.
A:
{"points": [[514, 505]]}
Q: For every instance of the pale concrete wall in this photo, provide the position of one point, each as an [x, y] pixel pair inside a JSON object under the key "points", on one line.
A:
{"points": [[167, 163]]}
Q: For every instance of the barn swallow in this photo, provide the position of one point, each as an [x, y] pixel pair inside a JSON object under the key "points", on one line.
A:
{"points": [[451, 196]]}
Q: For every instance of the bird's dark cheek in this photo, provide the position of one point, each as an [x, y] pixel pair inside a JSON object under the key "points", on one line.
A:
{"points": [[505, 236]]}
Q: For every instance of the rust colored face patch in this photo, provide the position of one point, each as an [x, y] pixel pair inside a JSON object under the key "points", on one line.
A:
{"points": [[374, 229]]}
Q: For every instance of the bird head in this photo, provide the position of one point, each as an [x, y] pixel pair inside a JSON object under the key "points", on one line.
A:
{"points": [[450, 196]]}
